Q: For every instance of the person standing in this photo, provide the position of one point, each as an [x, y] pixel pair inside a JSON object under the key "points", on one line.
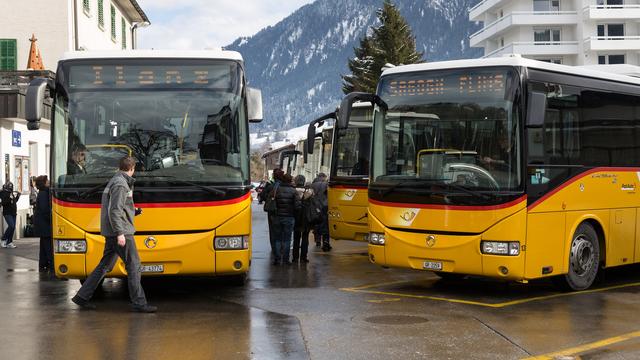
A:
{"points": [[116, 225], [42, 224], [302, 228], [287, 204], [321, 231], [268, 191], [9, 212], [76, 164]]}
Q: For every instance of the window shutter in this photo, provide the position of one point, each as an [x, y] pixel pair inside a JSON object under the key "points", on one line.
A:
{"points": [[124, 34], [8, 54], [100, 13], [113, 22]]}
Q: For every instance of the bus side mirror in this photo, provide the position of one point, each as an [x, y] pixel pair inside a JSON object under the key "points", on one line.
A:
{"points": [[311, 137], [536, 109], [33, 103], [254, 105], [344, 113], [311, 130]]}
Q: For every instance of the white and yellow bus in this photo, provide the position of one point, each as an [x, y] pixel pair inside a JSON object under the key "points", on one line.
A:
{"points": [[349, 174], [184, 117], [506, 168]]}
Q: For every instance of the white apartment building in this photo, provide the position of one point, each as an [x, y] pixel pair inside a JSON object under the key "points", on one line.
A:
{"points": [[571, 32], [65, 25]]}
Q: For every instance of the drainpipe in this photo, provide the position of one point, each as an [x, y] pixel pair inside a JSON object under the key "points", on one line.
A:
{"points": [[134, 27], [75, 25]]}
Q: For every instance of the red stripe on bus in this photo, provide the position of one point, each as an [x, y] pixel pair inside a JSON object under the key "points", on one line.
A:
{"points": [[576, 178], [161, 205], [452, 207]]}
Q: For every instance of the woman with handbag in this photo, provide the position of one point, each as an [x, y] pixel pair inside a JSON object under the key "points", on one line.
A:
{"points": [[287, 204]]}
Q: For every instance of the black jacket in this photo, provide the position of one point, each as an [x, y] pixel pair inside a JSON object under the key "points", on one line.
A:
{"points": [[42, 214], [287, 201], [9, 201]]}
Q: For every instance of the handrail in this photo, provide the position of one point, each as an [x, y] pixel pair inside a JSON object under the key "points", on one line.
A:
{"points": [[604, 38], [606, 7], [533, 13], [525, 43]]}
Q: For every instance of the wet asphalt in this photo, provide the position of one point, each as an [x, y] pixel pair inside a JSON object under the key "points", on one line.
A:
{"points": [[339, 306]]}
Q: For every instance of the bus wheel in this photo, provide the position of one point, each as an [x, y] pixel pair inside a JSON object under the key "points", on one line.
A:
{"points": [[237, 280], [447, 276], [584, 258]]}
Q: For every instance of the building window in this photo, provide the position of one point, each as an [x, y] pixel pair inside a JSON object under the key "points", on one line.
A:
{"points": [[124, 34], [100, 14], [615, 3], [611, 59], [546, 36], [553, 60], [85, 7], [113, 23], [8, 54], [611, 31], [546, 5]]}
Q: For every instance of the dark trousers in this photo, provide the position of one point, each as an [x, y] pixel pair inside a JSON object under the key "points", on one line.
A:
{"points": [[128, 254], [283, 239], [300, 244], [11, 228], [45, 260], [322, 230], [273, 233]]}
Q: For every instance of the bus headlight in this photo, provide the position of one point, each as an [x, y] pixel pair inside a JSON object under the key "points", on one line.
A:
{"points": [[231, 242], [509, 248], [376, 238], [71, 246]]}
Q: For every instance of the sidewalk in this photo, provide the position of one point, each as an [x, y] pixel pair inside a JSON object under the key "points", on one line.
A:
{"points": [[28, 248]]}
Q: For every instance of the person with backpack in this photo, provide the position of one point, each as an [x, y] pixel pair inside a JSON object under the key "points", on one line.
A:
{"points": [[268, 196], [302, 226], [287, 204], [321, 231], [10, 212]]}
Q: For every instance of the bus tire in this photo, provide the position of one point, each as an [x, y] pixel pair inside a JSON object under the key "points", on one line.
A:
{"points": [[237, 280], [448, 276], [584, 258]]}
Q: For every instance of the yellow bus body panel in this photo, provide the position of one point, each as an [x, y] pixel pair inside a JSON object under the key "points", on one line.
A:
{"points": [[184, 244], [348, 213], [607, 198]]}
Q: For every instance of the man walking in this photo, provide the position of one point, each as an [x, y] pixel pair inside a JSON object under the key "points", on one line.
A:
{"points": [[116, 225]]}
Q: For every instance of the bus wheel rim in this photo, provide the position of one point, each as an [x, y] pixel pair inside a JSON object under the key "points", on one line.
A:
{"points": [[582, 255]]}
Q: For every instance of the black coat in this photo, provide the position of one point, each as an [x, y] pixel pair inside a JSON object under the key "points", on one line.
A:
{"points": [[287, 201], [42, 214], [9, 201]]}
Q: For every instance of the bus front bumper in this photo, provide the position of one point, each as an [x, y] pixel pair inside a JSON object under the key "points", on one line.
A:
{"points": [[161, 255]]}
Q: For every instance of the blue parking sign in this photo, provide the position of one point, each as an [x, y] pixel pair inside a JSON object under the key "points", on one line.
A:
{"points": [[16, 138]]}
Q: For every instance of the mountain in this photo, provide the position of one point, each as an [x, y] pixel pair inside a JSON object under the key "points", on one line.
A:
{"points": [[297, 63]]}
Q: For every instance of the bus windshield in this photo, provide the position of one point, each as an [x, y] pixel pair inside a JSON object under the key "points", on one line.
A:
{"points": [[452, 129], [353, 145], [184, 123]]}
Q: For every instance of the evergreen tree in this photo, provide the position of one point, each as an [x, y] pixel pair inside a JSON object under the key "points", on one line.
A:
{"points": [[390, 43]]}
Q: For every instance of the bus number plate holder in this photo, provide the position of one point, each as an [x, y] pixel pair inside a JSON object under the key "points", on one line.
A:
{"points": [[152, 268], [432, 265]]}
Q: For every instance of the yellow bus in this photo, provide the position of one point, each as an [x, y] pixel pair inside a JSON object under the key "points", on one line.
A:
{"points": [[184, 117], [506, 168], [349, 174]]}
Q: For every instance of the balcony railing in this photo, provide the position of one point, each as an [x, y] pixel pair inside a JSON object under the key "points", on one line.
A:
{"points": [[537, 48], [527, 18], [612, 43], [628, 11]]}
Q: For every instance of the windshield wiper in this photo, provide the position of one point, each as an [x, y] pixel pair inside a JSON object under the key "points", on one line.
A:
{"points": [[469, 191], [210, 189], [411, 182], [92, 190]]}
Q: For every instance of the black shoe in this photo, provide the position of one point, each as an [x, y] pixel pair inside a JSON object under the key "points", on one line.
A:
{"points": [[317, 243], [149, 309], [275, 262], [287, 263], [326, 248], [304, 260], [84, 304], [294, 260]]}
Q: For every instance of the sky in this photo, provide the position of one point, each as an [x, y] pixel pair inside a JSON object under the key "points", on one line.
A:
{"points": [[201, 24]]}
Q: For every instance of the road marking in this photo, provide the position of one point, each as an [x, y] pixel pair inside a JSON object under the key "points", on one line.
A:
{"points": [[365, 289], [383, 300], [586, 347]]}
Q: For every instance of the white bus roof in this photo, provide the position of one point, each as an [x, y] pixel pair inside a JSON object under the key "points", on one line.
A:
{"points": [[164, 54], [516, 61]]}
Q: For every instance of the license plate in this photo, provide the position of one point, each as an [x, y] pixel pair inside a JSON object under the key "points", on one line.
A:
{"points": [[432, 265], [152, 268]]}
